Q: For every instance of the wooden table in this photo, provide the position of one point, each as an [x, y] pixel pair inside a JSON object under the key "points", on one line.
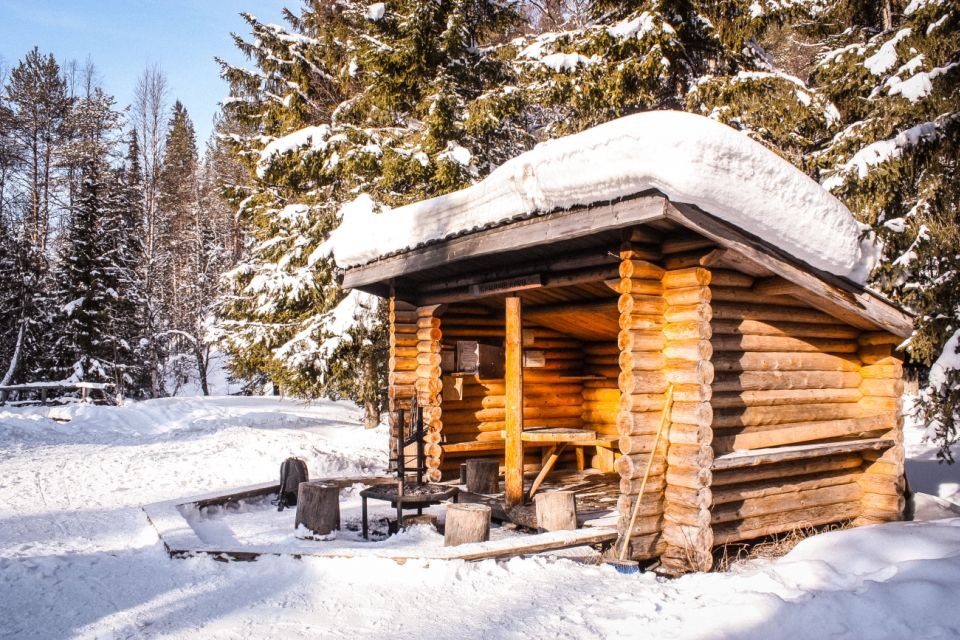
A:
{"points": [[557, 440]]}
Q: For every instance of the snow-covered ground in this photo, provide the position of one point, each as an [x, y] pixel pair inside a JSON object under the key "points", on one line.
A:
{"points": [[78, 558]]}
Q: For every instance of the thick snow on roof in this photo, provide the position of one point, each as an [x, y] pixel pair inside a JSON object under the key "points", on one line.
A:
{"points": [[687, 157]]}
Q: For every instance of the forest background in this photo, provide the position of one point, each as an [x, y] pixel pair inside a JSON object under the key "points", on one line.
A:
{"points": [[128, 256]]}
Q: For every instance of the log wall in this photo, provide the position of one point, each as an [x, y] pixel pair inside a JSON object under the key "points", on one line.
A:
{"points": [[882, 480], [402, 360], [687, 528], [642, 383]]}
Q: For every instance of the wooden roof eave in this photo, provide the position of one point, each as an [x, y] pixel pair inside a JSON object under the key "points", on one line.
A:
{"points": [[831, 294], [514, 236]]}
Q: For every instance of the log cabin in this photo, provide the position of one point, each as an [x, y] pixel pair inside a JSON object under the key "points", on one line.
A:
{"points": [[583, 314]]}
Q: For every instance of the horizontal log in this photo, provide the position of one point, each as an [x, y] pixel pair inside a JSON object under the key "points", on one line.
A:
{"points": [[799, 432], [429, 334], [631, 423], [785, 502], [638, 287], [789, 329], [688, 350], [688, 313], [872, 338], [635, 465], [729, 278], [687, 296], [749, 342], [757, 527], [601, 395], [738, 296], [694, 456], [890, 485], [780, 471], [880, 371], [402, 364], [692, 413], [640, 270], [634, 382], [683, 244], [631, 486], [428, 322], [628, 340], [779, 361], [631, 445], [428, 346], [768, 311], [692, 330], [879, 354], [690, 277], [882, 387], [881, 502], [691, 539], [641, 304], [783, 485], [402, 377], [757, 415], [680, 514], [641, 360], [410, 352], [688, 477], [640, 321], [689, 372], [691, 433], [757, 381], [701, 498], [600, 349], [402, 340], [744, 399]]}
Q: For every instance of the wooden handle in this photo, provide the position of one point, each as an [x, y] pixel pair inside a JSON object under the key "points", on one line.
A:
{"points": [[664, 418]]}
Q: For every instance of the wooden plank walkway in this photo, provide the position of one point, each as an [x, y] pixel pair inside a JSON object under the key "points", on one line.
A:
{"points": [[181, 540]]}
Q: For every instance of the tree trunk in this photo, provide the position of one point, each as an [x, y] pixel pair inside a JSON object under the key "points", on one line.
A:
{"points": [[371, 393], [202, 360]]}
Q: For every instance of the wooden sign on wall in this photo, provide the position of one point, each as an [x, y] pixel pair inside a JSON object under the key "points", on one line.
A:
{"points": [[506, 285]]}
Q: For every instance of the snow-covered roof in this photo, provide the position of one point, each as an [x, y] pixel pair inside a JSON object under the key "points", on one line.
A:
{"points": [[688, 158]]}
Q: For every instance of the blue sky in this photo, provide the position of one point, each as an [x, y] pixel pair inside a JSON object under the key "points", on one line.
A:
{"points": [[122, 37]]}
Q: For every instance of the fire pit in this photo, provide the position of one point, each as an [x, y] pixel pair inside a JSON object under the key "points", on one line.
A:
{"points": [[413, 496], [405, 494]]}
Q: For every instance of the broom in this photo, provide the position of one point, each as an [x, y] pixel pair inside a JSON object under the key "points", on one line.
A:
{"points": [[622, 564]]}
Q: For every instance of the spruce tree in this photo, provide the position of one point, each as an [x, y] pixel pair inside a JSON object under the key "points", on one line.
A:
{"points": [[398, 105]]}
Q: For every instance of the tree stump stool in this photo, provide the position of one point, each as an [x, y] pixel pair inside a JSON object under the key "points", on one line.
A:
{"points": [[483, 475], [466, 522], [556, 511], [318, 507]]}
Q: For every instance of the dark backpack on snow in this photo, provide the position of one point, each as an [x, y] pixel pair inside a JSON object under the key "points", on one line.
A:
{"points": [[293, 471]]}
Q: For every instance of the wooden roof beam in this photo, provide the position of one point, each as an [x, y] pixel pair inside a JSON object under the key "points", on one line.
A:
{"points": [[829, 293]]}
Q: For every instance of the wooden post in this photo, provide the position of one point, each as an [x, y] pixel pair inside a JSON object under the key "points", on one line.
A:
{"points": [[556, 511], [483, 475], [318, 507], [466, 522], [513, 380]]}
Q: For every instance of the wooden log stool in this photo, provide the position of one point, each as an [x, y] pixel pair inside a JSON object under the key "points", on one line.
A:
{"points": [[318, 507], [466, 522], [483, 475], [556, 511]]}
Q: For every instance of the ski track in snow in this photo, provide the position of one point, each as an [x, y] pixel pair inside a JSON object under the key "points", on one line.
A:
{"points": [[79, 559]]}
